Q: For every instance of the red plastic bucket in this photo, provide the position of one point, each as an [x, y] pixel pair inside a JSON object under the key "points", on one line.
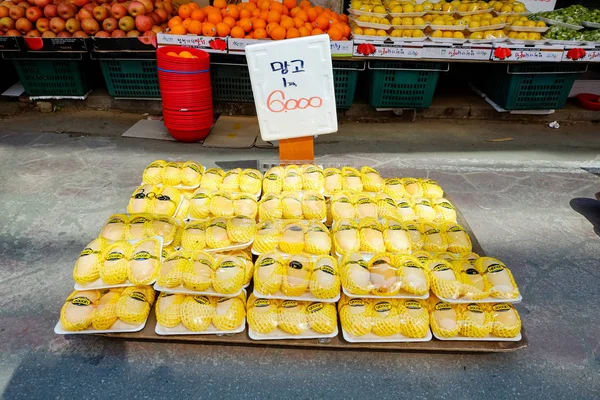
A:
{"points": [[189, 136]]}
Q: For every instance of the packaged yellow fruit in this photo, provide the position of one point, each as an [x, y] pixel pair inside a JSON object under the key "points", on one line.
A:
{"points": [[263, 316], [250, 181], [371, 235], [540, 24], [511, 35], [428, 18], [384, 275], [291, 205], [166, 201], [144, 262], [87, 265], [394, 188], [229, 274], [78, 311], [522, 36], [333, 180], [446, 7], [229, 313], [355, 275], [438, 21], [386, 207], [293, 317], [371, 180], [170, 273], [414, 277], [191, 174], [200, 204], [292, 238], [196, 312], [407, 21], [396, 33], [381, 32], [358, 30], [356, 316], [462, 8], [365, 206], [474, 320], [458, 35], [418, 21], [292, 181], [267, 237], [141, 199], [297, 275], [500, 279], [379, 10], [168, 309], [437, 7], [134, 304], [384, 21], [198, 273], [416, 237], [212, 178], [414, 318], [529, 23], [498, 6], [317, 239], [370, 32], [321, 317], [427, 5], [171, 174], [273, 180], [534, 36], [518, 8], [114, 265], [408, 8], [314, 206], [374, 20], [397, 21], [245, 205], [241, 229], [231, 180], [396, 9], [444, 279], [105, 314], [194, 236], [396, 238], [419, 8], [325, 279], [458, 239], [216, 234], [416, 33], [506, 320], [407, 33], [474, 286], [153, 172], [444, 318], [386, 318], [268, 273], [221, 204], [313, 178], [434, 238]]}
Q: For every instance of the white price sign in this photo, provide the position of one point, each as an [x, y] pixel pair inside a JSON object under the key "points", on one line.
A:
{"points": [[292, 82]]}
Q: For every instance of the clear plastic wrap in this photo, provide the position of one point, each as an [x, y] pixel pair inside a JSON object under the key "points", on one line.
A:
{"points": [[272, 319], [199, 272], [303, 277], [219, 234], [293, 205], [165, 200], [294, 178], [107, 310], [292, 236], [179, 174], [139, 226], [384, 320], [371, 235], [247, 181], [121, 263], [180, 314]]}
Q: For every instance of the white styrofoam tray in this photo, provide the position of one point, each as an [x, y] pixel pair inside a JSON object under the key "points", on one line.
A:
{"points": [[526, 28], [306, 296], [117, 327], [182, 330], [488, 338], [278, 334], [181, 289], [401, 295], [485, 300], [373, 338]]}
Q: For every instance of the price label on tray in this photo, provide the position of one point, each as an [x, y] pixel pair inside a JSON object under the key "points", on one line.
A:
{"points": [[383, 49], [582, 54], [458, 53], [534, 54]]}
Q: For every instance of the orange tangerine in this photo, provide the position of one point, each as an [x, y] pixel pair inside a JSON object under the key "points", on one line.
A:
{"points": [[198, 15], [172, 54], [178, 30], [245, 13], [220, 4], [185, 11], [264, 14], [175, 21], [186, 54], [259, 24], [260, 33], [232, 10], [302, 15], [278, 33], [230, 21], [195, 27], [270, 27], [237, 32], [214, 17], [265, 5], [223, 29], [319, 9], [316, 31], [294, 11], [298, 22], [274, 16], [322, 22], [287, 23], [187, 22], [292, 33], [312, 14], [193, 6], [209, 29], [245, 24], [335, 33], [304, 4], [290, 3], [304, 31], [256, 13]]}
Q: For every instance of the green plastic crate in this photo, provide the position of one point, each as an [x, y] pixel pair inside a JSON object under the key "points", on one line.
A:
{"points": [[232, 82], [530, 87], [402, 84], [53, 77], [131, 78]]}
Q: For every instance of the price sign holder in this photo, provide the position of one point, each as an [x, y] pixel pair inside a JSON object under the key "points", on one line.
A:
{"points": [[292, 83]]}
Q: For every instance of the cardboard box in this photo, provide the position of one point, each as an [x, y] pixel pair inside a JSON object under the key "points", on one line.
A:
{"points": [[530, 53], [206, 43]]}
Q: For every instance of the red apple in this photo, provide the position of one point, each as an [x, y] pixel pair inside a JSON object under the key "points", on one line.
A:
{"points": [[155, 17], [136, 8], [4, 11], [66, 10], [149, 33], [169, 8], [118, 33], [90, 26], [13, 32], [148, 5], [23, 25], [33, 13], [102, 34], [89, 7], [110, 24], [48, 34], [6, 24], [159, 5], [73, 25], [162, 13], [133, 33], [79, 3], [24, 4], [81, 34], [33, 33], [50, 11], [63, 34], [32, 2], [42, 3], [126, 24], [57, 25], [101, 13], [16, 12], [118, 11], [83, 14], [143, 23], [157, 29], [42, 24]]}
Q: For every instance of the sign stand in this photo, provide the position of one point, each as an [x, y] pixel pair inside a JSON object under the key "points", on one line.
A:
{"points": [[292, 83]]}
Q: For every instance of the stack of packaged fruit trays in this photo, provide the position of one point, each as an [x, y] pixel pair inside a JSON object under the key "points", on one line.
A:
{"points": [[290, 253]]}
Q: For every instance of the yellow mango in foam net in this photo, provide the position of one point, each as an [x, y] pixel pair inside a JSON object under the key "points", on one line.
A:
{"points": [[415, 278], [241, 229], [166, 201], [269, 270], [342, 206], [351, 179], [194, 236], [78, 311], [431, 189], [417, 239], [506, 320], [245, 205], [197, 312], [445, 211], [273, 180], [200, 203], [153, 172], [424, 210], [293, 317], [371, 180], [371, 236], [212, 179], [88, 264], [386, 207], [114, 265], [346, 236], [317, 239], [134, 304], [434, 238], [386, 317], [105, 314], [144, 261], [172, 174], [229, 274], [139, 227], [142, 199], [263, 315], [216, 234], [396, 238], [231, 180], [298, 270], [230, 313], [365, 206], [333, 181], [355, 275], [414, 318], [292, 179], [384, 275], [291, 205], [325, 278], [198, 273], [406, 210], [444, 279], [168, 309], [423, 256], [267, 237], [163, 226], [443, 318], [321, 317], [116, 227], [474, 320], [221, 205], [356, 315], [394, 188], [314, 206], [191, 174], [413, 187], [292, 238], [313, 178], [170, 273], [270, 207], [251, 181], [499, 278], [458, 239], [474, 286]]}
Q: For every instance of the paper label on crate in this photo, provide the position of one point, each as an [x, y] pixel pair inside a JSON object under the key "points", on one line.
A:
{"points": [[458, 53], [341, 48], [389, 51], [236, 45], [582, 54], [206, 43], [533, 54]]}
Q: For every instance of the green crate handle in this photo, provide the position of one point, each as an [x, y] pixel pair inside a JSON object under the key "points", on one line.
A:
{"points": [[508, 71], [119, 59], [49, 59], [410, 69], [364, 66]]}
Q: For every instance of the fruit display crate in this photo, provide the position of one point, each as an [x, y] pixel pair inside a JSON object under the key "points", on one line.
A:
{"points": [[403, 84], [130, 77], [231, 80], [530, 86], [59, 76]]}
